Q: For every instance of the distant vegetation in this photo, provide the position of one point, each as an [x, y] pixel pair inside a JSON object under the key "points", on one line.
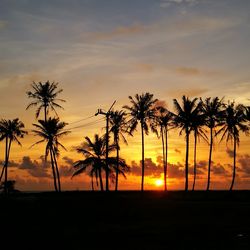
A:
{"points": [[206, 119]]}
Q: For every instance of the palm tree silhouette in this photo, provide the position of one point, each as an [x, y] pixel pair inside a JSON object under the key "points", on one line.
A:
{"points": [[198, 123], [10, 130], [232, 123], [118, 128], [50, 131], [164, 120], [184, 117], [45, 97], [95, 159], [212, 109], [142, 110]]}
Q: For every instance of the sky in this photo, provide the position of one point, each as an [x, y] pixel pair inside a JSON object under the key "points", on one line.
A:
{"points": [[102, 51]]}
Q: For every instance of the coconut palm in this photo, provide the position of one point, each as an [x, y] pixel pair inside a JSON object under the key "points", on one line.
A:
{"points": [[95, 159], [45, 97], [232, 123], [183, 119], [11, 131], [50, 131], [119, 129], [212, 110], [142, 110], [164, 120], [197, 127]]}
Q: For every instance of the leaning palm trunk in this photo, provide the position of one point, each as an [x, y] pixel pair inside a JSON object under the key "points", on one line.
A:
{"points": [[117, 164], [195, 145], [7, 154], [100, 178], [142, 160], [163, 157], [210, 158], [166, 157], [186, 164], [53, 170], [57, 171], [234, 166]]}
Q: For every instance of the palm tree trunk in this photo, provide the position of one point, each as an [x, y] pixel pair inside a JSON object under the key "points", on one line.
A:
{"points": [[107, 152], [195, 145], [166, 156], [234, 166], [186, 164], [210, 158], [142, 157], [92, 183], [117, 164], [5, 165], [45, 112], [100, 178], [163, 158], [53, 170], [57, 171]]}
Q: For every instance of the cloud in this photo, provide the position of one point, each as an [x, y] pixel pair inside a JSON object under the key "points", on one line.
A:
{"points": [[3, 24], [35, 168], [144, 67], [167, 3], [191, 92], [219, 170], [188, 71], [66, 170], [244, 162], [10, 164], [118, 32], [230, 152], [177, 150], [68, 160]]}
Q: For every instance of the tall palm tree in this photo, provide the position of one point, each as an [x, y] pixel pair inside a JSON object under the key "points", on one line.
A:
{"points": [[232, 123], [142, 110], [183, 118], [45, 97], [50, 131], [95, 159], [212, 110], [197, 127], [164, 120], [119, 129], [11, 131]]}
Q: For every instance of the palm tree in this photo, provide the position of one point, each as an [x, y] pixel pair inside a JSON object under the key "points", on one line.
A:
{"points": [[164, 120], [232, 123], [142, 110], [199, 132], [45, 97], [118, 128], [11, 131], [50, 131], [212, 110], [95, 159], [183, 119]]}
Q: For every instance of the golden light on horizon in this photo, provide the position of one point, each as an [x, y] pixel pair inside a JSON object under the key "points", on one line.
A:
{"points": [[159, 182]]}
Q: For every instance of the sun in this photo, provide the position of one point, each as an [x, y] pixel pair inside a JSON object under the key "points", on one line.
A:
{"points": [[158, 182]]}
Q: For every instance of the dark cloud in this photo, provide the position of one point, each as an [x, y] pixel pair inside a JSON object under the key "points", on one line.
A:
{"points": [[230, 152], [175, 170], [219, 169], [244, 162], [10, 164], [35, 168], [177, 150], [66, 170], [68, 160]]}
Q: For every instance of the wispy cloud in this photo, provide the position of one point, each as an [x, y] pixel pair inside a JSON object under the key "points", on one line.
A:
{"points": [[167, 3], [120, 31]]}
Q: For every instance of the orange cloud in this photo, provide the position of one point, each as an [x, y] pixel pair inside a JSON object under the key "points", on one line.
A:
{"points": [[188, 71]]}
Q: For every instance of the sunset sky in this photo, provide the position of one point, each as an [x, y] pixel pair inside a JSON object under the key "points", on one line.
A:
{"points": [[101, 51]]}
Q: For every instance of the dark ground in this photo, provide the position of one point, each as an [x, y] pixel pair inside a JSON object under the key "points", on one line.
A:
{"points": [[126, 220]]}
